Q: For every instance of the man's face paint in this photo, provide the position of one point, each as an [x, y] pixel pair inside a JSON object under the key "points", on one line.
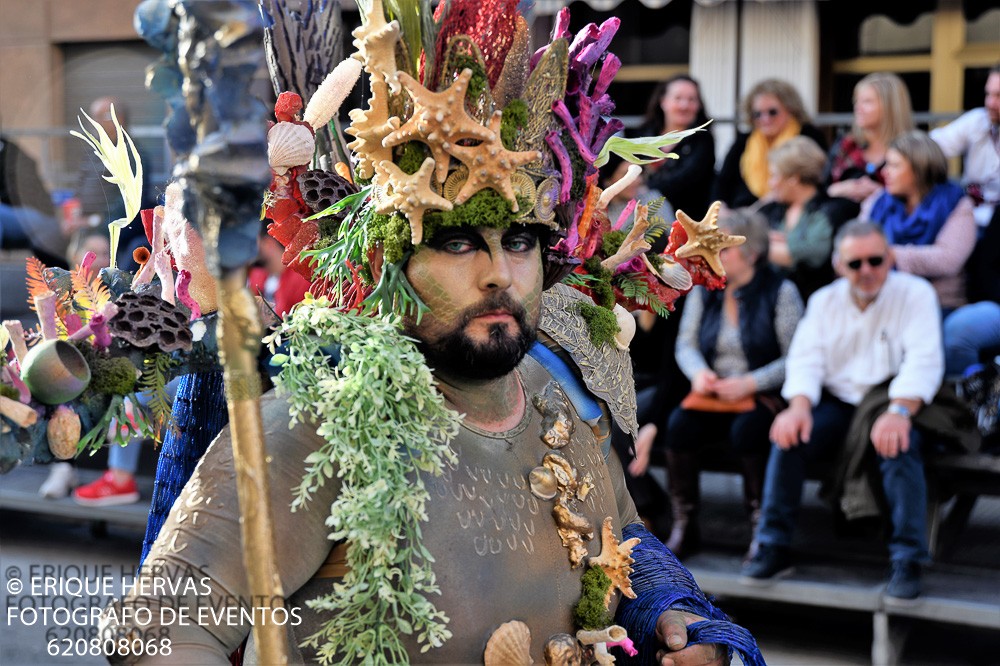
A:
{"points": [[483, 288]]}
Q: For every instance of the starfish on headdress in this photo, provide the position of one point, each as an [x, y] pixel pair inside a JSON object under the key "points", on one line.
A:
{"points": [[439, 119], [411, 194], [491, 165], [370, 127], [705, 239], [376, 44], [616, 560]]}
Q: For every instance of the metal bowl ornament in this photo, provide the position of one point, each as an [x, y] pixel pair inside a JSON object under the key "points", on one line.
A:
{"points": [[55, 372]]}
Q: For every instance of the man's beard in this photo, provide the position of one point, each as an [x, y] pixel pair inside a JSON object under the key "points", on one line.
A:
{"points": [[457, 355]]}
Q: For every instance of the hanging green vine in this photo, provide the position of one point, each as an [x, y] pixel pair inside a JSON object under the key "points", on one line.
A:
{"points": [[383, 423]]}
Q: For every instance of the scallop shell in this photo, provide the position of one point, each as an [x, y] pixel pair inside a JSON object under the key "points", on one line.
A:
{"points": [[509, 645], [543, 483], [672, 273], [289, 145], [63, 432], [626, 327]]}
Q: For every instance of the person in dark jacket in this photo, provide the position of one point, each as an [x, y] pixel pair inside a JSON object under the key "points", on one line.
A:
{"points": [[676, 104], [776, 113], [27, 216], [732, 346], [801, 216]]}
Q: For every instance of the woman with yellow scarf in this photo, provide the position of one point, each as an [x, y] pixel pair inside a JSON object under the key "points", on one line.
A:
{"points": [[776, 113]]}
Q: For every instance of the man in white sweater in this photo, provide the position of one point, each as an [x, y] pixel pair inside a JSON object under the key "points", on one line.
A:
{"points": [[871, 326]]}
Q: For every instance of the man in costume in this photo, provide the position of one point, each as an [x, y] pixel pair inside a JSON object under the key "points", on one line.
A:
{"points": [[447, 458]]}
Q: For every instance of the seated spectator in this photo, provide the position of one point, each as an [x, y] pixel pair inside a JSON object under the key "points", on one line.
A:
{"points": [[27, 216], [972, 331], [802, 218], [777, 113], [974, 136], [612, 172], [732, 347], [882, 111], [675, 105], [868, 348], [926, 218]]}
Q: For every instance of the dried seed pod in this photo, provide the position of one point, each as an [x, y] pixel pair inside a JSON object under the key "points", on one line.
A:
{"points": [[63, 432], [146, 320]]}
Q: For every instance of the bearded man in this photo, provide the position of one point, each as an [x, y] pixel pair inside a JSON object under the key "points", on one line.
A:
{"points": [[447, 457]]}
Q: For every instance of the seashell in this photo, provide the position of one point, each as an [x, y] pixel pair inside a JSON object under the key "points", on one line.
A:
{"points": [[671, 273], [509, 645], [562, 650], [63, 432], [289, 145], [626, 326], [55, 372], [546, 200], [543, 483]]}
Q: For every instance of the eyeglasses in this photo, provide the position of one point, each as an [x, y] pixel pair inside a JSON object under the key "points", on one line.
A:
{"points": [[770, 113], [874, 262]]}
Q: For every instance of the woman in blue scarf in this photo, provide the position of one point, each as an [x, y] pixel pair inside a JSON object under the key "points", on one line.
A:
{"points": [[926, 217]]}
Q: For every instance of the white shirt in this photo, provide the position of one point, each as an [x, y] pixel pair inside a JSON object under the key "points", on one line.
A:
{"points": [[969, 135], [848, 351]]}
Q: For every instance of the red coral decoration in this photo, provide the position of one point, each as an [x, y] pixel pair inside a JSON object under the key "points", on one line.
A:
{"points": [[490, 24], [287, 107], [696, 266]]}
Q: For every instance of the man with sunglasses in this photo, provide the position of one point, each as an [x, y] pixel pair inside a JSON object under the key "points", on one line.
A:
{"points": [[864, 360]]}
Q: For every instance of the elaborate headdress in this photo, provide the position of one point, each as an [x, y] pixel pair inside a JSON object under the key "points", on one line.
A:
{"points": [[465, 126]]}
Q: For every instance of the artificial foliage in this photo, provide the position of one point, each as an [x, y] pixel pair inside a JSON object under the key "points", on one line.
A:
{"points": [[383, 425], [590, 611], [602, 325]]}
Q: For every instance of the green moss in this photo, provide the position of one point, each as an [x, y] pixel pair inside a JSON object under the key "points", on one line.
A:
{"points": [[412, 156], [602, 290], [611, 242], [514, 119], [655, 259], [8, 391], [589, 612], [485, 208], [327, 230], [393, 231], [601, 323], [579, 169], [114, 376], [478, 83]]}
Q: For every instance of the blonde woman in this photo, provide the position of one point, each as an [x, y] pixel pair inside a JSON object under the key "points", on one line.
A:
{"points": [[775, 110], [882, 111]]}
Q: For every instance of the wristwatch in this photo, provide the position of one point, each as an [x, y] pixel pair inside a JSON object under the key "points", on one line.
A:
{"points": [[897, 408]]}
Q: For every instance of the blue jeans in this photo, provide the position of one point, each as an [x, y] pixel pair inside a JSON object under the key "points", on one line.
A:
{"points": [[125, 458], [902, 480], [967, 331]]}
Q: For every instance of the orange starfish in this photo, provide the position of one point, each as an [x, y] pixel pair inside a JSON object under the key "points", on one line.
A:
{"points": [[439, 119], [705, 239], [370, 127], [491, 165], [412, 195]]}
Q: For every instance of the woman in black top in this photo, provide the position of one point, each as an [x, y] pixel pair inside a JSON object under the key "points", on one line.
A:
{"points": [[676, 104]]}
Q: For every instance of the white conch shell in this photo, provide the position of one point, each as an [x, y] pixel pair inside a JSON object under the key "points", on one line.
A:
{"points": [[63, 432], [626, 327], [509, 645], [289, 145], [672, 273], [543, 483]]}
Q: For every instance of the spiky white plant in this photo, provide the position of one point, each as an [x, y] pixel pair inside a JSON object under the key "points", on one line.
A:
{"points": [[118, 159]]}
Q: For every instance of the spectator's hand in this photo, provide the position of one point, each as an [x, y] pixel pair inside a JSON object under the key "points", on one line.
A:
{"points": [[792, 427], [704, 382], [855, 189], [671, 631], [891, 435], [735, 388], [643, 445]]}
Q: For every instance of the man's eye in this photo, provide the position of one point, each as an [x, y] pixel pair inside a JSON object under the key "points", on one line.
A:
{"points": [[520, 243], [456, 246]]}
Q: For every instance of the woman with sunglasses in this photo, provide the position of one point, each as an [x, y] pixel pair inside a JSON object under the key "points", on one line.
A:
{"points": [[927, 219], [882, 111], [676, 104], [776, 112]]}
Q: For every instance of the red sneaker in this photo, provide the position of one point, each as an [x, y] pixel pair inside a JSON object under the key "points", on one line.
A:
{"points": [[106, 492]]}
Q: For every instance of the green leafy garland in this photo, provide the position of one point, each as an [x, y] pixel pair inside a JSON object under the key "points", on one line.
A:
{"points": [[382, 422]]}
